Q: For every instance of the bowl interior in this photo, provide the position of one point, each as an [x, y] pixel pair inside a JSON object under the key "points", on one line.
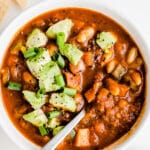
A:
{"points": [[48, 5]]}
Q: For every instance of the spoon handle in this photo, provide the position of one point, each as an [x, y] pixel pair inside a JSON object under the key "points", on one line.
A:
{"points": [[64, 132]]}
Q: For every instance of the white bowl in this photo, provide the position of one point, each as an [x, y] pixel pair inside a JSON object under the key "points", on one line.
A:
{"points": [[48, 5]]}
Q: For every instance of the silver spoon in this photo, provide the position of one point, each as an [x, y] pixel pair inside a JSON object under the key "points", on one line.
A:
{"points": [[52, 144]]}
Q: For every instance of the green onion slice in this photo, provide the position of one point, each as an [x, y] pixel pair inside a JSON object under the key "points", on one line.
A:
{"points": [[60, 80], [57, 129], [61, 61], [54, 114], [14, 86], [70, 91], [40, 92], [55, 56], [60, 39], [43, 130], [30, 52]]}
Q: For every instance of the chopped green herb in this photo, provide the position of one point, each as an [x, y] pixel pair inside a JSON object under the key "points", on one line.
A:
{"points": [[55, 56], [54, 114], [40, 92], [60, 80], [61, 61], [14, 86], [70, 91], [30, 52], [43, 130], [60, 39]]}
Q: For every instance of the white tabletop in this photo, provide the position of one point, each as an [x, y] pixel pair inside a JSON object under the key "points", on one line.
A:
{"points": [[138, 12]]}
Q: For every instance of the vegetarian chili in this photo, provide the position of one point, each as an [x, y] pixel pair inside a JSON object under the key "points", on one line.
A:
{"points": [[66, 60]]}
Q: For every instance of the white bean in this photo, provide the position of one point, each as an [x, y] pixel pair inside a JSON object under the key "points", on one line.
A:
{"points": [[111, 66], [136, 78], [132, 55], [86, 34]]}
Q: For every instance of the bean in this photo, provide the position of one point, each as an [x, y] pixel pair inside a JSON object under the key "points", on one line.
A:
{"points": [[80, 67], [118, 115], [12, 60], [111, 66], [15, 72], [39, 23], [79, 101], [45, 139], [5, 75], [99, 128], [24, 124], [28, 78], [132, 55], [115, 91], [136, 78], [107, 57], [137, 63], [121, 48], [52, 48], [88, 58], [123, 103], [113, 87], [86, 34], [17, 47], [102, 94], [47, 108]]}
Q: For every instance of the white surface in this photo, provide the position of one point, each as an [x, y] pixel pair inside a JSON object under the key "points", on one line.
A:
{"points": [[136, 10]]}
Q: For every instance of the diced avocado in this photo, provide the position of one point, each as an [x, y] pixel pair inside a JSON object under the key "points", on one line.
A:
{"points": [[57, 130], [33, 100], [105, 40], [62, 100], [36, 38], [36, 117], [72, 53], [52, 123], [119, 72], [47, 77], [61, 26], [36, 63]]}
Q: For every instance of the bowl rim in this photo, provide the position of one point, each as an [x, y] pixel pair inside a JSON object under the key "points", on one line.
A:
{"points": [[43, 7]]}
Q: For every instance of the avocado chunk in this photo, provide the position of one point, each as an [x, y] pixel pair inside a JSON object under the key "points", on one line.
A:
{"points": [[52, 123], [33, 100], [36, 117], [106, 40], [36, 38], [63, 101], [57, 130], [47, 77], [61, 26], [72, 53], [36, 63]]}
